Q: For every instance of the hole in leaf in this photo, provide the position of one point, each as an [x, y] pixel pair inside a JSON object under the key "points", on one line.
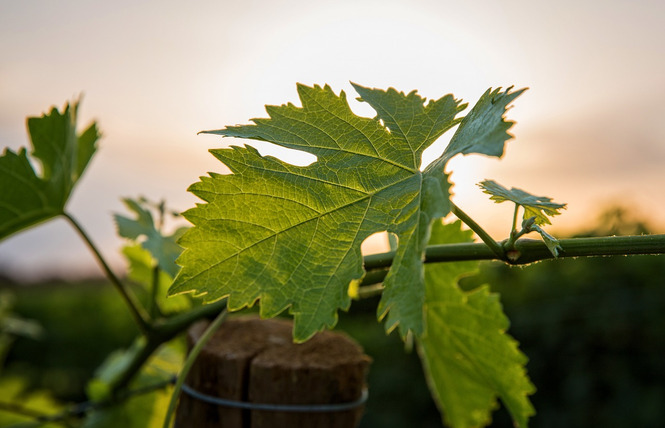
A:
{"points": [[292, 156], [376, 243]]}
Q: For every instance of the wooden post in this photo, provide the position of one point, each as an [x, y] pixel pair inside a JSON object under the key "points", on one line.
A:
{"points": [[255, 361]]}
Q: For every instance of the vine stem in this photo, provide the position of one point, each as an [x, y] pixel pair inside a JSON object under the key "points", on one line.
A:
{"points": [[370, 291], [154, 310], [134, 307], [156, 332], [529, 251], [189, 362], [162, 331], [482, 234]]}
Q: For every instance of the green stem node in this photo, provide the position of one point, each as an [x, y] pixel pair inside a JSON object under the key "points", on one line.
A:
{"points": [[527, 251]]}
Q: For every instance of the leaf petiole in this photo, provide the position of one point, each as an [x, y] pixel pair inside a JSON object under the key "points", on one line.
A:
{"points": [[154, 310], [509, 244], [482, 234], [368, 291], [513, 229]]}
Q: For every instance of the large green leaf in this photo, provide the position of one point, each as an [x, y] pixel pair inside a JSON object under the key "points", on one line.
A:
{"points": [[290, 236], [467, 355], [27, 198]]}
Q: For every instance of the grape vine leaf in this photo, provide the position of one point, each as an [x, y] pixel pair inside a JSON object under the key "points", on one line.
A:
{"points": [[484, 129], [27, 198], [290, 236], [534, 206], [163, 247], [141, 271], [467, 356]]}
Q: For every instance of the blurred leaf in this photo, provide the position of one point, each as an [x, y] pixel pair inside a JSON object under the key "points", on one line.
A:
{"points": [[468, 358], [141, 266], [141, 410], [106, 375], [163, 248], [14, 390], [534, 206], [12, 326], [17, 326], [27, 198]]}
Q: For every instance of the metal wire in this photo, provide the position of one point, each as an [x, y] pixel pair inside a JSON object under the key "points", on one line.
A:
{"points": [[304, 408]]}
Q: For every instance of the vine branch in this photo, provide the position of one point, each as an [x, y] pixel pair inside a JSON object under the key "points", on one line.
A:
{"points": [[528, 251], [135, 308], [161, 332]]}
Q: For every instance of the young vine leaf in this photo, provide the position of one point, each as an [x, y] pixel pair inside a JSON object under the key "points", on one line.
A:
{"points": [[290, 235], [164, 248], [534, 206], [27, 198], [141, 264], [469, 359]]}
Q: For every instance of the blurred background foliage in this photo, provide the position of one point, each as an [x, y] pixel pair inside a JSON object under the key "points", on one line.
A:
{"points": [[593, 329]]}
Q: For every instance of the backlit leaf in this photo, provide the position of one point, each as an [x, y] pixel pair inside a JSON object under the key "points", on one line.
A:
{"points": [[290, 235], [28, 198], [142, 228], [141, 271], [484, 130], [468, 358], [144, 410]]}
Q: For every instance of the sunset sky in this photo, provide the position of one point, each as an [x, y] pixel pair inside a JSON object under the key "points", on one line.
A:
{"points": [[590, 130]]}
